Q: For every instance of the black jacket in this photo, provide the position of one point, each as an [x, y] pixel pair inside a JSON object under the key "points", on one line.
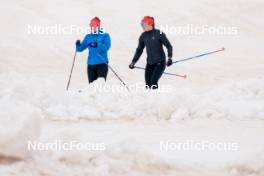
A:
{"points": [[154, 41]]}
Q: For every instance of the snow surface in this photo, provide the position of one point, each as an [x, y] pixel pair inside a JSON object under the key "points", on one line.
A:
{"points": [[222, 100]]}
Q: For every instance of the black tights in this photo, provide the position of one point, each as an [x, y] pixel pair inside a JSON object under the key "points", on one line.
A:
{"points": [[95, 71], [153, 74]]}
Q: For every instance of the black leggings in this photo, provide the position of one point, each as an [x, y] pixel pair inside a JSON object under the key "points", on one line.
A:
{"points": [[153, 74], [96, 71]]}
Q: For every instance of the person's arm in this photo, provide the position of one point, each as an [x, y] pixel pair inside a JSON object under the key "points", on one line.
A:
{"points": [[139, 51], [82, 45], [105, 44], [167, 44]]}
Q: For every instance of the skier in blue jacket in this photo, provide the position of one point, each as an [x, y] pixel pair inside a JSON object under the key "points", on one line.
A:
{"points": [[98, 43]]}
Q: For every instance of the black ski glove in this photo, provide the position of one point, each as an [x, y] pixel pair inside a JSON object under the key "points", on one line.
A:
{"points": [[132, 65], [169, 62], [78, 43], [93, 44]]}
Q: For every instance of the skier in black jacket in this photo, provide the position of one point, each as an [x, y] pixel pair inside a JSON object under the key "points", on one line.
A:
{"points": [[154, 40]]}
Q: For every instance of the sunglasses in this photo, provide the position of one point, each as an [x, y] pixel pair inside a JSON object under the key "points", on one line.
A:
{"points": [[143, 24]]}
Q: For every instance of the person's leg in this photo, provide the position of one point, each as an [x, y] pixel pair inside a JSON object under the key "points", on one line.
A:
{"points": [[91, 72], [157, 73], [102, 70], [148, 74]]}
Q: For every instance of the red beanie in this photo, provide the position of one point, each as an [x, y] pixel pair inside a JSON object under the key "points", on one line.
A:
{"points": [[95, 22], [148, 20]]}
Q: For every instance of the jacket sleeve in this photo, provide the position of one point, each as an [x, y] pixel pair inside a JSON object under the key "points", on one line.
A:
{"points": [[167, 44], [83, 45], [105, 44], [140, 48]]}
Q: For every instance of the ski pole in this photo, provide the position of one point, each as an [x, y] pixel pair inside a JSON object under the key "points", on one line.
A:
{"points": [[166, 73], [118, 77], [200, 55], [71, 70]]}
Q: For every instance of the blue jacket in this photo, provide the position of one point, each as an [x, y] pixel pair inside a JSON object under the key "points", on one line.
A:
{"points": [[96, 55]]}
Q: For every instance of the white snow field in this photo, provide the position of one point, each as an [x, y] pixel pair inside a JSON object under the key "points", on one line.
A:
{"points": [[220, 102]]}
